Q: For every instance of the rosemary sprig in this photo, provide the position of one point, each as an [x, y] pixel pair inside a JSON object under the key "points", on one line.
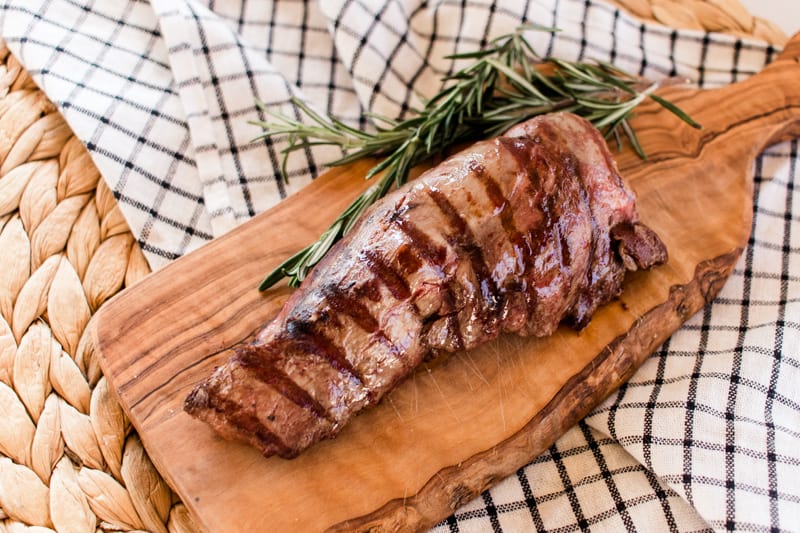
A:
{"points": [[506, 84]]}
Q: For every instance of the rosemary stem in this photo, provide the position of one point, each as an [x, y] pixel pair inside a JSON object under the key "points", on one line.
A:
{"points": [[500, 88]]}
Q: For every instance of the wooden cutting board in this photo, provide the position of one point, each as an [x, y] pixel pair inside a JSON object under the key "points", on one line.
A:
{"points": [[454, 429]]}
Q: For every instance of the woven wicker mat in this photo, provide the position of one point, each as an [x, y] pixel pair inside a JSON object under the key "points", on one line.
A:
{"points": [[69, 459], [725, 16]]}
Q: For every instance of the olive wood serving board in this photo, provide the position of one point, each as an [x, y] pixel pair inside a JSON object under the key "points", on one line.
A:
{"points": [[456, 428]]}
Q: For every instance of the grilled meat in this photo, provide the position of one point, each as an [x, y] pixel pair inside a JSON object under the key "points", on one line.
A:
{"points": [[514, 235]]}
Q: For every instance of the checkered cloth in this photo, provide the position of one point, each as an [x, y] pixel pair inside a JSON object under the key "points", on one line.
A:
{"points": [[705, 436]]}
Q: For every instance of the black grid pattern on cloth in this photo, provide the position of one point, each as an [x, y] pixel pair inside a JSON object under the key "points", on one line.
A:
{"points": [[106, 78], [726, 383], [423, 36], [222, 63], [704, 436], [176, 82], [585, 481]]}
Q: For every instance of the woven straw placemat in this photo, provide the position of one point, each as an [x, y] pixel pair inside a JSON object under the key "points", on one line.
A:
{"points": [[69, 459], [724, 16]]}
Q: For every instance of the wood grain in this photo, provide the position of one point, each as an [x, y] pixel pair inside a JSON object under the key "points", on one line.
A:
{"points": [[456, 428]]}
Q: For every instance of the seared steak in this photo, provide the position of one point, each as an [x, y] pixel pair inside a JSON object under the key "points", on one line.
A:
{"points": [[514, 235]]}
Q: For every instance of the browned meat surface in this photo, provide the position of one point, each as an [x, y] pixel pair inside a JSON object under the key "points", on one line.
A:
{"points": [[514, 234]]}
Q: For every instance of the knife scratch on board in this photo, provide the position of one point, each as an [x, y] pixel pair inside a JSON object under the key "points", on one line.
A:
{"points": [[443, 395]]}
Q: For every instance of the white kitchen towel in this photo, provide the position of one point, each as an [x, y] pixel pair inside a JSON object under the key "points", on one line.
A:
{"points": [[707, 434], [162, 93]]}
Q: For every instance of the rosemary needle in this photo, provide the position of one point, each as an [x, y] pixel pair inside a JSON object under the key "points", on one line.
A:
{"points": [[501, 88]]}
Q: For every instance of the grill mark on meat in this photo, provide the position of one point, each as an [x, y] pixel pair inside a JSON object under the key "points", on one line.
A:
{"points": [[546, 233], [532, 160], [513, 288], [345, 303], [435, 255], [452, 320], [465, 240], [393, 281], [369, 289], [308, 337], [251, 425], [549, 133], [262, 368], [566, 256], [594, 270], [348, 304], [517, 239], [553, 161], [429, 250], [407, 260], [520, 149], [491, 187], [603, 266], [449, 314], [454, 326]]}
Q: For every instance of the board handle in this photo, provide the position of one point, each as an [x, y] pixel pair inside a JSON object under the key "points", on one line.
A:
{"points": [[766, 105], [784, 75], [738, 121], [791, 57], [791, 52]]}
